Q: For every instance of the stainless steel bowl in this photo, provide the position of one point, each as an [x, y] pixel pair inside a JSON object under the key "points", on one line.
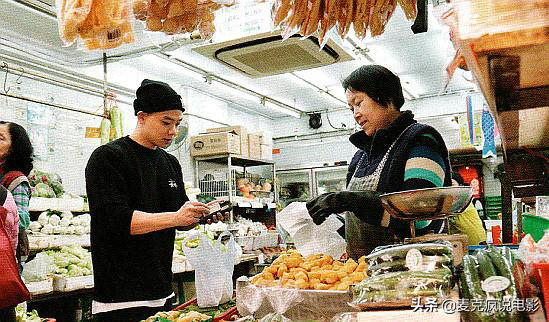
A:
{"points": [[430, 203]]}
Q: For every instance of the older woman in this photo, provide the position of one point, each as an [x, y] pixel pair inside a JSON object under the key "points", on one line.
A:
{"points": [[395, 153], [15, 165]]}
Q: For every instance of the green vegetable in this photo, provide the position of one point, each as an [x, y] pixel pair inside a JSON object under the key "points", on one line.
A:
{"points": [[116, 123], [211, 311], [105, 131], [463, 286], [472, 277], [403, 285], [44, 191], [400, 264], [486, 269], [392, 254]]}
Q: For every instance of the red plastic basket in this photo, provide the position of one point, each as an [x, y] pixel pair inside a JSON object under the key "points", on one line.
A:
{"points": [[226, 316], [542, 274]]}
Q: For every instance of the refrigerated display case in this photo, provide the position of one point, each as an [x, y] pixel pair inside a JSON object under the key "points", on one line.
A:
{"points": [[304, 184], [295, 185], [329, 179]]}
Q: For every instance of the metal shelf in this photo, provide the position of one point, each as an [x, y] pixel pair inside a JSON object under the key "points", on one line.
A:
{"points": [[236, 160], [217, 176]]}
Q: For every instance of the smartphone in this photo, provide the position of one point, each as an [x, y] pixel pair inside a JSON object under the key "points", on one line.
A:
{"points": [[216, 209]]}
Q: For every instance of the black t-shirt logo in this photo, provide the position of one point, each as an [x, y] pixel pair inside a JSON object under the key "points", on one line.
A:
{"points": [[172, 184]]}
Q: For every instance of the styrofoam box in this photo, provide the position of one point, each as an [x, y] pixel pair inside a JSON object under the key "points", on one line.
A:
{"points": [[72, 204], [66, 284], [266, 240], [42, 204], [246, 242], [178, 267], [42, 287]]}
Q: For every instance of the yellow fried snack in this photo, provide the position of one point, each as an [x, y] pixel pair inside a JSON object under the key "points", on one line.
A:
{"points": [[315, 272], [268, 276], [358, 277], [314, 275], [301, 275], [302, 284], [281, 270], [361, 267]]}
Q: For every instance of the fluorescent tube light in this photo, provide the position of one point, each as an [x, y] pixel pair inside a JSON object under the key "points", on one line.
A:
{"points": [[235, 91], [281, 109]]}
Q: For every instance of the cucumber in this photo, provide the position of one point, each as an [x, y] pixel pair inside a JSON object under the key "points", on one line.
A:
{"points": [[116, 118], [105, 131], [503, 266], [393, 295], [487, 269], [504, 269], [472, 277], [463, 286], [433, 262], [392, 254]]}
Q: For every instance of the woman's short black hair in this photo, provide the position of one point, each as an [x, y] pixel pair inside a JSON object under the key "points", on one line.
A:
{"points": [[20, 155], [459, 179], [379, 83]]}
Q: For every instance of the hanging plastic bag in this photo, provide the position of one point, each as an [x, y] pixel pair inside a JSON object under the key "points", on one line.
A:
{"points": [[213, 265], [99, 24], [309, 238]]}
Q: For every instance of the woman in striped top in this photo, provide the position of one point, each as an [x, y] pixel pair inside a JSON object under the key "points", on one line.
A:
{"points": [[16, 158], [395, 153]]}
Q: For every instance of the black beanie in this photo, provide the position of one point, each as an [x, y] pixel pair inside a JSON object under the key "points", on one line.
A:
{"points": [[154, 96]]}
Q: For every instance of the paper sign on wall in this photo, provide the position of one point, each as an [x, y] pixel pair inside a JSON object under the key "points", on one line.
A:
{"points": [[93, 133]]}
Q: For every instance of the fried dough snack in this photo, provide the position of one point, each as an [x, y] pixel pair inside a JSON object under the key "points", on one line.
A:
{"points": [[178, 16], [315, 272], [100, 24]]}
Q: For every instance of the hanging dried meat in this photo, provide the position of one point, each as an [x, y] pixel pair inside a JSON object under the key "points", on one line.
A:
{"points": [[179, 16], [458, 61], [100, 24], [309, 16]]}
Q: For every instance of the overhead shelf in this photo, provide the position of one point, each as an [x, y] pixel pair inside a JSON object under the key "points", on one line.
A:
{"points": [[236, 160], [506, 46]]}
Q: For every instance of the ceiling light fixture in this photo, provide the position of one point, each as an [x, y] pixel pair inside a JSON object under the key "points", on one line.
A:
{"points": [[282, 109], [324, 91], [236, 92]]}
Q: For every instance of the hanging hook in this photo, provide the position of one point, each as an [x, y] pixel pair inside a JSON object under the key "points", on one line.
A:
{"points": [[18, 80], [5, 65]]}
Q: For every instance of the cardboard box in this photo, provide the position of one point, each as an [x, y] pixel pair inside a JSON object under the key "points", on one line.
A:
{"points": [[254, 143], [238, 130], [215, 143], [264, 138], [266, 152]]}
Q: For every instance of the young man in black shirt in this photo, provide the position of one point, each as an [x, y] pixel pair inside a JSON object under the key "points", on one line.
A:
{"points": [[137, 198]]}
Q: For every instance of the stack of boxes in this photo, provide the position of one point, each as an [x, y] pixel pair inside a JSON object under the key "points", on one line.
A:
{"points": [[233, 140]]}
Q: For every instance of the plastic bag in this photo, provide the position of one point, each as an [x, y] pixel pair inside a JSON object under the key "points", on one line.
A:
{"points": [[99, 24], [405, 285], [309, 238], [426, 257], [530, 252], [213, 265]]}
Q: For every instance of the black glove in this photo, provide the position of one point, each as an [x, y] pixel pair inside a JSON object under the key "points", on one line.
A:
{"points": [[366, 205]]}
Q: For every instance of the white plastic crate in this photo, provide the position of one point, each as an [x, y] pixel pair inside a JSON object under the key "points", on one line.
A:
{"points": [[246, 242], [266, 239], [42, 204], [42, 287], [67, 284], [71, 204]]}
